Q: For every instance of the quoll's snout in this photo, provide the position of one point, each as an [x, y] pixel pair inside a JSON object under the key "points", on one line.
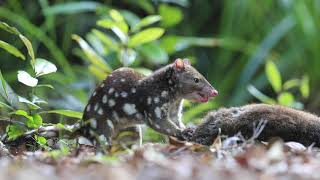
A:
{"points": [[210, 91], [214, 93]]}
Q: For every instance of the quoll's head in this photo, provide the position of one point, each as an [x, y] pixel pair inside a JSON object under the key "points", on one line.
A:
{"points": [[191, 84]]}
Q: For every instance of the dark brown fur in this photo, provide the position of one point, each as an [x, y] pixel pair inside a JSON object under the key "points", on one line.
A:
{"points": [[126, 99], [286, 123]]}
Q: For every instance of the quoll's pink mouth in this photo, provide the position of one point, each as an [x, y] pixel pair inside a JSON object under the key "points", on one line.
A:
{"points": [[203, 96]]}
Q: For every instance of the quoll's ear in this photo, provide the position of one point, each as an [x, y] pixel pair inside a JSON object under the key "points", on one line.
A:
{"points": [[186, 61], [179, 64]]}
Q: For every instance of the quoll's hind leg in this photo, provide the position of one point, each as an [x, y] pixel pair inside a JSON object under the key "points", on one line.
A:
{"points": [[102, 131], [127, 137]]}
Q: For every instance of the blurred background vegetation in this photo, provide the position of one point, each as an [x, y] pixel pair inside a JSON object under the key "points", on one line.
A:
{"points": [[250, 51]]}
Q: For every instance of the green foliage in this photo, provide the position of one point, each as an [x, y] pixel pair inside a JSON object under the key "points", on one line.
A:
{"points": [[30, 114], [133, 43], [273, 76], [284, 96], [170, 15], [12, 50]]}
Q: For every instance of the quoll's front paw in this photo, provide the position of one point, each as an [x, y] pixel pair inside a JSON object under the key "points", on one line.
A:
{"points": [[186, 134]]}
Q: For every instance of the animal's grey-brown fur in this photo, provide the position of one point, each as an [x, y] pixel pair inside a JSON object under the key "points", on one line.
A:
{"points": [[286, 123], [126, 99]]}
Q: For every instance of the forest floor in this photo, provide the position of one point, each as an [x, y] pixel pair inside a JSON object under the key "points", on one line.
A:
{"points": [[223, 160]]}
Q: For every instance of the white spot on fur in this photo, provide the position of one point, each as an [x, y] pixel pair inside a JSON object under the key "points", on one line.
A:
{"points": [[156, 99], [96, 107], [123, 80], [88, 108], [102, 138], [94, 93], [170, 82], [85, 141], [110, 124], [129, 108], [164, 107], [93, 123], [104, 99], [133, 90], [111, 102], [149, 100], [116, 94], [111, 90], [157, 126], [164, 93], [102, 85], [179, 115], [124, 94], [100, 112], [115, 115], [157, 112]]}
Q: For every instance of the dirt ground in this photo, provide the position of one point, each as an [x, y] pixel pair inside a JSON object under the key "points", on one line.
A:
{"points": [[223, 160]]}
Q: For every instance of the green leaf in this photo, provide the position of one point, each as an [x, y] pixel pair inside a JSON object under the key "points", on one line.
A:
{"points": [[12, 50], [29, 103], [27, 79], [131, 18], [146, 22], [127, 56], [40, 140], [9, 95], [6, 27], [68, 113], [37, 100], [28, 44], [22, 113], [145, 36], [273, 76], [4, 84], [45, 85], [291, 83], [119, 22], [286, 99], [116, 27], [43, 67], [116, 16], [259, 95], [170, 15], [71, 8], [35, 122], [154, 53], [92, 56], [25, 41], [106, 40], [304, 87], [14, 131], [2, 104]]}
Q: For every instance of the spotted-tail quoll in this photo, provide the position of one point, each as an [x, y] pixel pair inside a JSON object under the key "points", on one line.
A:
{"points": [[127, 98]]}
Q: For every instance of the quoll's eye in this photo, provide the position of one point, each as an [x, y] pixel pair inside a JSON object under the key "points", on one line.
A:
{"points": [[196, 80]]}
